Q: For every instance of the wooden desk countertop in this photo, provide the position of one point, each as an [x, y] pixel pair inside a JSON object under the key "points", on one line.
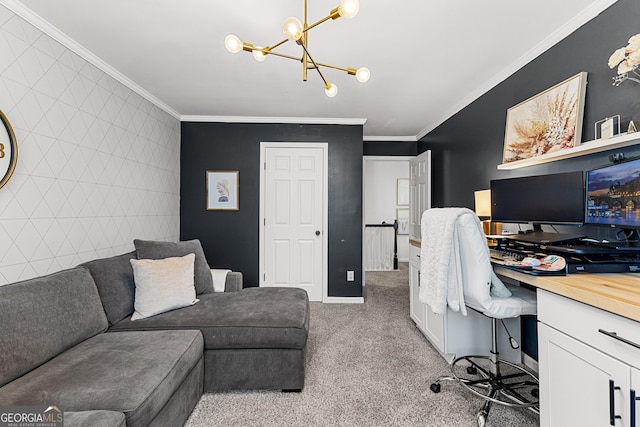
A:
{"points": [[617, 293]]}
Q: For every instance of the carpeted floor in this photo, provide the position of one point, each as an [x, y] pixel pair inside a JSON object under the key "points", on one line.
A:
{"points": [[367, 365]]}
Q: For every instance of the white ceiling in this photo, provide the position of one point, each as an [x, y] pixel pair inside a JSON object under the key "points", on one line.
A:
{"points": [[428, 59]]}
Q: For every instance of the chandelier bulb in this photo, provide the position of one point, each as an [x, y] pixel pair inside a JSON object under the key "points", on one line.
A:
{"points": [[258, 54], [233, 43], [331, 90], [292, 28], [363, 74], [349, 8]]}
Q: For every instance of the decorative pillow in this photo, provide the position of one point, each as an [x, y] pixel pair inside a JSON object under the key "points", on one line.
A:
{"points": [[149, 249], [163, 285]]}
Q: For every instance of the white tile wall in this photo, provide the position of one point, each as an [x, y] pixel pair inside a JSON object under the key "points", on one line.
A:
{"points": [[98, 164]]}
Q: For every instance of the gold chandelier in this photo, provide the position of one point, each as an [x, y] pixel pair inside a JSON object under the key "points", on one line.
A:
{"points": [[298, 32]]}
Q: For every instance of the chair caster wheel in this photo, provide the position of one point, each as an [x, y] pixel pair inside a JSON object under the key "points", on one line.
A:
{"points": [[471, 370], [435, 387], [535, 393], [481, 418]]}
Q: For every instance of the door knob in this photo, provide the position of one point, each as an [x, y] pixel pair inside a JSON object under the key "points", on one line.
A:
{"points": [[317, 232]]}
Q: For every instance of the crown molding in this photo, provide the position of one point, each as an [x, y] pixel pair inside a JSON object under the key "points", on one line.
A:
{"points": [[569, 27], [37, 21], [287, 120]]}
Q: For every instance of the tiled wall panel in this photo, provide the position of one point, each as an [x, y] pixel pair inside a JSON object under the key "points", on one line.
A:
{"points": [[98, 164]]}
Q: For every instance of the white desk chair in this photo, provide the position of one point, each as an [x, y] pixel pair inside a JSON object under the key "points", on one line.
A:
{"points": [[456, 272]]}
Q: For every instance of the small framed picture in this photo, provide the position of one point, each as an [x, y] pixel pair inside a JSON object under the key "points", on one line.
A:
{"points": [[222, 190], [402, 192], [402, 215]]}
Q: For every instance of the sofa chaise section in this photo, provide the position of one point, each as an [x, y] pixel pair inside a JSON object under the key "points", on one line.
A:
{"points": [[253, 339]]}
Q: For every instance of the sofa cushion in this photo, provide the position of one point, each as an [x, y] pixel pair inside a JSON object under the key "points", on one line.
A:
{"points": [[162, 285], [148, 249], [114, 279], [250, 318], [94, 419], [131, 372], [42, 317]]}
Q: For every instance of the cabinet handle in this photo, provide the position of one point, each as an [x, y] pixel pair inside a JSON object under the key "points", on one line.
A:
{"points": [[633, 407], [612, 403], [615, 336]]}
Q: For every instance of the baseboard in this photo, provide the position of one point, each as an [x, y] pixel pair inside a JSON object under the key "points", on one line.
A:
{"points": [[530, 362], [343, 300]]}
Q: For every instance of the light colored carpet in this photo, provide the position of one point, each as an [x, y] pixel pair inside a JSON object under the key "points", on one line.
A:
{"points": [[367, 365]]}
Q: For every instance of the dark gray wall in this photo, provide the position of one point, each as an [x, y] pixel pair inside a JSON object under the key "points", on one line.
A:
{"points": [[230, 238], [472, 140], [375, 148], [467, 147]]}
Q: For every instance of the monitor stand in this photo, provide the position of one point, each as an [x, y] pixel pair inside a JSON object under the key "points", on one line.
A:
{"points": [[540, 237], [631, 242]]}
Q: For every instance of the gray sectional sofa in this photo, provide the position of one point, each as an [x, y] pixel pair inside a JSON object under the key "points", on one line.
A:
{"points": [[68, 340]]}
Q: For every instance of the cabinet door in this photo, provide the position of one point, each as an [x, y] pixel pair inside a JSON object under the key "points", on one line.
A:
{"points": [[580, 386], [634, 407], [419, 191], [416, 308]]}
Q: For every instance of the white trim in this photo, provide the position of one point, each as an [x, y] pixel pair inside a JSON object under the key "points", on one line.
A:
{"points": [[569, 27], [373, 138], [343, 300], [53, 32], [288, 120], [325, 214], [530, 362]]}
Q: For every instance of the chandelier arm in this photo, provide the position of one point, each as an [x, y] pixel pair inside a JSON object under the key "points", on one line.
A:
{"points": [[335, 67], [279, 44], [283, 55], [315, 24], [326, 84]]}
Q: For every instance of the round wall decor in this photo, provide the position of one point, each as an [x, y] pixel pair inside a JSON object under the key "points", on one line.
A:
{"points": [[8, 150]]}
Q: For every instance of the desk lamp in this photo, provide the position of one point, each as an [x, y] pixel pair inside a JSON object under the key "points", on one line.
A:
{"points": [[483, 209]]}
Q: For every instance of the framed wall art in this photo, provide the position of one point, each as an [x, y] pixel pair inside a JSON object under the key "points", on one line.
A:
{"points": [[8, 150], [547, 122], [402, 192], [402, 215], [223, 190]]}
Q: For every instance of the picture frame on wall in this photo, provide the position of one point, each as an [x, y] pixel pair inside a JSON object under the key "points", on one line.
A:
{"points": [[547, 122], [223, 190], [402, 215], [402, 192]]}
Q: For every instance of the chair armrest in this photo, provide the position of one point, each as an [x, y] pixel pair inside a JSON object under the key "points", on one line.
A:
{"points": [[233, 282]]}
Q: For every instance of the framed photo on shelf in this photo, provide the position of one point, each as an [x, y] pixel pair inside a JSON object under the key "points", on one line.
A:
{"points": [[548, 122], [402, 192], [223, 190]]}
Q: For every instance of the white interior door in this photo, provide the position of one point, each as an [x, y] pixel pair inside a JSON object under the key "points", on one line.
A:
{"points": [[294, 205]]}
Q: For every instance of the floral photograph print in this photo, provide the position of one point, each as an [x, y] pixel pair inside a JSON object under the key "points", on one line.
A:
{"points": [[548, 122], [222, 190]]}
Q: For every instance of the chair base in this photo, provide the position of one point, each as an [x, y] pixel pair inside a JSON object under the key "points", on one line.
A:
{"points": [[484, 378]]}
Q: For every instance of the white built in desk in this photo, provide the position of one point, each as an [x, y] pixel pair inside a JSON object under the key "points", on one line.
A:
{"points": [[617, 293]]}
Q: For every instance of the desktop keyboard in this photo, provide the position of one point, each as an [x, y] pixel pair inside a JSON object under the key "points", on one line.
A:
{"points": [[503, 255]]}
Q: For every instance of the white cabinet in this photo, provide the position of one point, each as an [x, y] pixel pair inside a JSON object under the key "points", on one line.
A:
{"points": [[419, 191], [453, 334], [587, 377]]}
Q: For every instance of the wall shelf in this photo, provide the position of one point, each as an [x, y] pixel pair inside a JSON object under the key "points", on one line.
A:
{"points": [[583, 149]]}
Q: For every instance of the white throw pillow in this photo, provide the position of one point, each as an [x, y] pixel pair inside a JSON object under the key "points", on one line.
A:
{"points": [[163, 285]]}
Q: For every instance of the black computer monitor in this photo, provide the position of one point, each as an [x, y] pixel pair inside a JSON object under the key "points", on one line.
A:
{"points": [[556, 199], [613, 198]]}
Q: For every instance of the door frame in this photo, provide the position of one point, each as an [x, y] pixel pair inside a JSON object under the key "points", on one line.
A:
{"points": [[325, 202]]}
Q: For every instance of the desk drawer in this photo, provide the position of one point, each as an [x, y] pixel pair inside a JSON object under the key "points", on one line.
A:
{"points": [[414, 254], [584, 323]]}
